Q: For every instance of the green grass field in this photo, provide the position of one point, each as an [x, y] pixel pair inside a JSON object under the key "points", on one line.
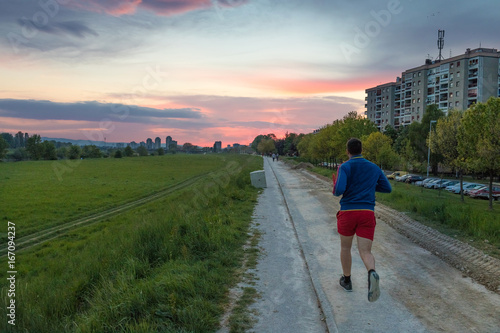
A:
{"points": [[165, 266], [39, 194]]}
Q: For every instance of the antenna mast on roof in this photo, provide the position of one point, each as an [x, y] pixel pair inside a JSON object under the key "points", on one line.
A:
{"points": [[440, 44]]}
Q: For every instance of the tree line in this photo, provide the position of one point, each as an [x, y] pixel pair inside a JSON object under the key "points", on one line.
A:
{"points": [[459, 142]]}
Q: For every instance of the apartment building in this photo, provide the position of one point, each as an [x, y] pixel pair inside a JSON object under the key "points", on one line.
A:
{"points": [[454, 83]]}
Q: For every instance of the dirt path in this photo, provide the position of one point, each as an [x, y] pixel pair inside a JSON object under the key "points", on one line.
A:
{"points": [[54, 232], [422, 291]]}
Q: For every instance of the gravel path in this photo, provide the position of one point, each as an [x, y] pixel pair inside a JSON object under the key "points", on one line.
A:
{"points": [[422, 290]]}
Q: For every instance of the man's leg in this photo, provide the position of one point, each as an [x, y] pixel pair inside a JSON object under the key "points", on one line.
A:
{"points": [[345, 254], [365, 251]]}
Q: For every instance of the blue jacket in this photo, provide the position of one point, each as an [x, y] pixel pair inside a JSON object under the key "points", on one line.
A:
{"points": [[357, 181]]}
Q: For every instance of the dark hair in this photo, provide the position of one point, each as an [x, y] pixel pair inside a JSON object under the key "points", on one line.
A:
{"points": [[354, 146]]}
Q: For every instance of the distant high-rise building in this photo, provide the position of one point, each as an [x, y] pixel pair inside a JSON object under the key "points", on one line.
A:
{"points": [[173, 145], [157, 143], [149, 144], [454, 83], [217, 146], [168, 142], [133, 145], [142, 144]]}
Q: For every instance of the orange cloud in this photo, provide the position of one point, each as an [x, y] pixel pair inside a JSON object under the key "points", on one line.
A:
{"points": [[317, 86]]}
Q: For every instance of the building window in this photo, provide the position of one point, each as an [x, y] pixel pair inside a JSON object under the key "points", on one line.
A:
{"points": [[419, 91], [451, 65], [419, 82], [458, 64], [418, 109], [413, 74], [451, 95], [458, 73], [419, 74], [457, 93], [457, 103], [418, 100], [413, 101], [451, 84], [457, 84]]}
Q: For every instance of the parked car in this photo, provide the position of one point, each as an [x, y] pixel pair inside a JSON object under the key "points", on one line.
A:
{"points": [[474, 188], [484, 193], [425, 181], [396, 174], [402, 178], [446, 183], [453, 188], [413, 179], [456, 188], [430, 184]]}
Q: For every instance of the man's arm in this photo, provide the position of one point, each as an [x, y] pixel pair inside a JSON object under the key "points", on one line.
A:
{"points": [[341, 182], [383, 184]]}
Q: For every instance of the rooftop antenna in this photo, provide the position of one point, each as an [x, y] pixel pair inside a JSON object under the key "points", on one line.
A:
{"points": [[440, 44]]}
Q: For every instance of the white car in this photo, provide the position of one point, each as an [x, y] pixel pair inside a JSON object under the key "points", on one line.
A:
{"points": [[467, 186], [425, 181], [431, 183], [473, 188]]}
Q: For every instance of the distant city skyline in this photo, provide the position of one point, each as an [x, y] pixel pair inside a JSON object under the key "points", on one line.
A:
{"points": [[213, 70]]}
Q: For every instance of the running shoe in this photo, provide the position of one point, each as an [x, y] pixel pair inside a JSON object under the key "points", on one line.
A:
{"points": [[346, 285], [373, 288]]}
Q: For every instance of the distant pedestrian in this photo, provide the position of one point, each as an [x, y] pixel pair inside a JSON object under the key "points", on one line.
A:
{"points": [[357, 181], [277, 157], [274, 156]]}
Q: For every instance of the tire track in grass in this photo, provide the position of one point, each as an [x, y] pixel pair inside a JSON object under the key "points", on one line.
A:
{"points": [[54, 232]]}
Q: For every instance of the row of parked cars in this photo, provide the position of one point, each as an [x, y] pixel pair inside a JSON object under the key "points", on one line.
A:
{"points": [[474, 190]]}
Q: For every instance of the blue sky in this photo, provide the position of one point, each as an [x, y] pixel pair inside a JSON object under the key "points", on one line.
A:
{"points": [[207, 70]]}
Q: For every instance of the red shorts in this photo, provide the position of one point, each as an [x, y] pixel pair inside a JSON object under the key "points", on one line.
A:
{"points": [[359, 222]]}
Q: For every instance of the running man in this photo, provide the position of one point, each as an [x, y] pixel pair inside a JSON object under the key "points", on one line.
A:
{"points": [[357, 180]]}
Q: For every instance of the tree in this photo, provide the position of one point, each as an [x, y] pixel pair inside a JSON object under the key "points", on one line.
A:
{"points": [[91, 151], [445, 142], [259, 138], [479, 139], [304, 146], [391, 132], [129, 152], [3, 147], [161, 151], [34, 147], [418, 138], [188, 147], [142, 151], [377, 147], [118, 154], [48, 149], [20, 154], [9, 138], [74, 152], [266, 146]]}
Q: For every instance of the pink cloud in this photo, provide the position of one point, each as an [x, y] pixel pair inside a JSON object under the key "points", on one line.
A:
{"points": [[160, 7]]}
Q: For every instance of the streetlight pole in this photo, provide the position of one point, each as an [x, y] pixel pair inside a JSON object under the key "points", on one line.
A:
{"points": [[429, 149]]}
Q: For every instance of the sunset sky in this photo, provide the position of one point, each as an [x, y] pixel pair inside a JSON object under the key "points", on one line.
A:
{"points": [[213, 70]]}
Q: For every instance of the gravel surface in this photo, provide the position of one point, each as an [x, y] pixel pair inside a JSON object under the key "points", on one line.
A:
{"points": [[429, 282]]}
